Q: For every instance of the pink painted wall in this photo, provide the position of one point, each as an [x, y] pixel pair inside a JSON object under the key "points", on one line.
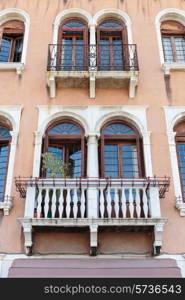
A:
{"points": [[30, 90]]}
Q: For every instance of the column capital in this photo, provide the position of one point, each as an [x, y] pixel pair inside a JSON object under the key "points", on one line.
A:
{"points": [[92, 137], [171, 137], [146, 137], [92, 25], [38, 137], [14, 135]]}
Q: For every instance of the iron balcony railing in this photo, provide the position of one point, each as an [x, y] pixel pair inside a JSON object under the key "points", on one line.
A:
{"points": [[101, 57]]}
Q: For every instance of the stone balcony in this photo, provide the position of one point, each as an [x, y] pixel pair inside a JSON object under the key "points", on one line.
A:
{"points": [[91, 66], [92, 203]]}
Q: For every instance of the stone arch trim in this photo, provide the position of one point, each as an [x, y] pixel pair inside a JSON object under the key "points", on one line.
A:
{"points": [[63, 115], [46, 119], [13, 115], [17, 14], [124, 116], [173, 14], [72, 12], [173, 116], [9, 119], [116, 13], [170, 14], [177, 119], [140, 125]]}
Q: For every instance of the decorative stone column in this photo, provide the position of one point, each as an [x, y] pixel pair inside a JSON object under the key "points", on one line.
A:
{"points": [[92, 155], [174, 163], [92, 172], [92, 29], [37, 154], [147, 153], [92, 60]]}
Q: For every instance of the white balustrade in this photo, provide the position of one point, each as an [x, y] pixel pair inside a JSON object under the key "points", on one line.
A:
{"points": [[124, 203], [96, 199], [59, 203]]}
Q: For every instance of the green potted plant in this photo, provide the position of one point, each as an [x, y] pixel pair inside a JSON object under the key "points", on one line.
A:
{"points": [[54, 166]]}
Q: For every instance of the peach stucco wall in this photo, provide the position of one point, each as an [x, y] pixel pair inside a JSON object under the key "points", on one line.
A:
{"points": [[30, 90]]}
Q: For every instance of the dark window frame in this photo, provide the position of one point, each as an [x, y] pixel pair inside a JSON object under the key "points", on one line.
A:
{"points": [[121, 140], [65, 139], [120, 32], [172, 34], [6, 142], [180, 139], [13, 37], [69, 32]]}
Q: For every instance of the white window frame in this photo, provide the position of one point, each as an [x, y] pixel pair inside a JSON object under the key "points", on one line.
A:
{"points": [[169, 14], [173, 115], [12, 114], [20, 15]]}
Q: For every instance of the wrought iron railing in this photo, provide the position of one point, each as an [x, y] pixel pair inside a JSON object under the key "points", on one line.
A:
{"points": [[102, 57]]}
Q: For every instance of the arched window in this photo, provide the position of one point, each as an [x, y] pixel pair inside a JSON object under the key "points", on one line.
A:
{"points": [[180, 146], [72, 45], [65, 140], [5, 139], [121, 151], [173, 40], [111, 37], [11, 41]]}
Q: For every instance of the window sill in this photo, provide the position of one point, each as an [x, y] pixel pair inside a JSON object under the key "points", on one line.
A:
{"points": [[19, 67], [6, 205], [167, 67]]}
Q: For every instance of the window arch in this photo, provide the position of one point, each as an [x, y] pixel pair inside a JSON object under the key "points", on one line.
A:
{"points": [[173, 41], [72, 48], [11, 45], [5, 139], [121, 151], [65, 141], [13, 17], [162, 17], [180, 147]]}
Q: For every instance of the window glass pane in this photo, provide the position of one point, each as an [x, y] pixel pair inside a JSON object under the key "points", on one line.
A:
{"points": [[79, 54], [65, 128], [66, 54], [104, 53], [5, 49], [167, 48], [111, 161], [75, 159], [110, 24], [181, 154], [57, 152], [71, 154], [117, 52], [180, 49], [4, 132], [18, 50], [130, 161], [73, 24], [118, 129], [3, 168]]}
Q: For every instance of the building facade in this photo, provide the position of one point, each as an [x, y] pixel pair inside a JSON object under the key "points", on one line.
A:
{"points": [[99, 86]]}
